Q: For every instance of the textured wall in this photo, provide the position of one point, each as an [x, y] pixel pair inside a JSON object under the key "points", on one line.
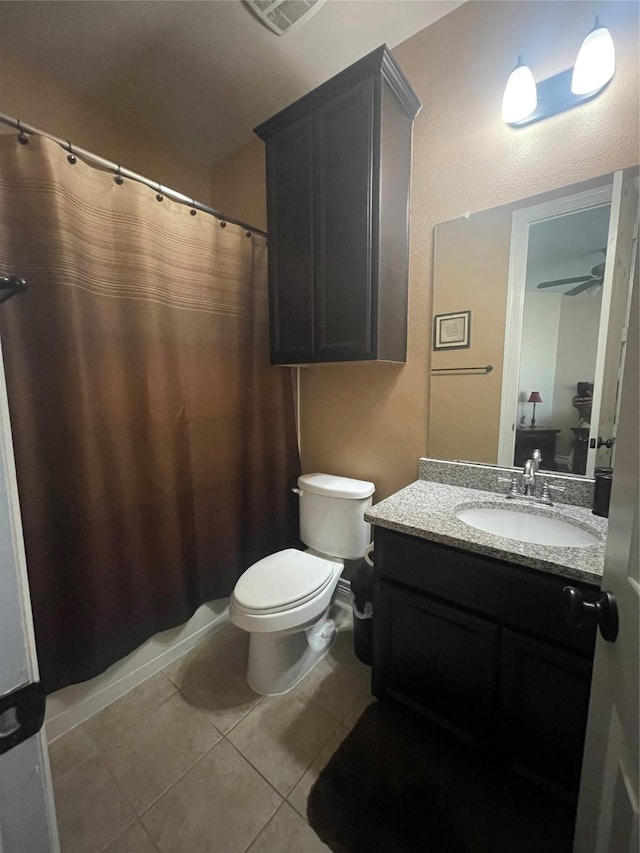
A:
{"points": [[237, 184], [370, 420], [46, 103]]}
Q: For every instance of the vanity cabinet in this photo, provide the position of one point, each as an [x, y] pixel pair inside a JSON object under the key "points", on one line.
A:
{"points": [[338, 175], [482, 647]]}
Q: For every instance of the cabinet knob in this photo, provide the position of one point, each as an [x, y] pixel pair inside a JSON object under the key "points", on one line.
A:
{"points": [[604, 611]]}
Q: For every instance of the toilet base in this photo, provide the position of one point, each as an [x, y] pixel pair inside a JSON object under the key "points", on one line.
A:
{"points": [[280, 660]]}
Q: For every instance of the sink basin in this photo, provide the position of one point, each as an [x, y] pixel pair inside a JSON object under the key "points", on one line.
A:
{"points": [[527, 527]]}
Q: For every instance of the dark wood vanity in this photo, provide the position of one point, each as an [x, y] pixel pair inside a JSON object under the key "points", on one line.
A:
{"points": [[481, 646]]}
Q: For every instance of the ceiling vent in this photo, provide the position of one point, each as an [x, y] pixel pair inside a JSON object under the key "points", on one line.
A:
{"points": [[283, 15]]}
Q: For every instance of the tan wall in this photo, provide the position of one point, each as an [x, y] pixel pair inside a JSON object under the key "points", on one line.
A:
{"points": [[471, 267], [46, 103], [370, 420], [237, 185]]}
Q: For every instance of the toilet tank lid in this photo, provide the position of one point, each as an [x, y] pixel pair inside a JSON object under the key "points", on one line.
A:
{"points": [[332, 486]]}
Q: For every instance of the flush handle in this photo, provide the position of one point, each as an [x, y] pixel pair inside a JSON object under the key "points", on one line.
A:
{"points": [[604, 611]]}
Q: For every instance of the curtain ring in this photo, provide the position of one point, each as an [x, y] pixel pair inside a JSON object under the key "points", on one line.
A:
{"points": [[23, 139], [248, 233], [223, 224], [71, 157], [118, 178], [159, 196], [193, 211]]}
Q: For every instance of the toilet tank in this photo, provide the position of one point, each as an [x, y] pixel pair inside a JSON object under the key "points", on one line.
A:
{"points": [[332, 514]]}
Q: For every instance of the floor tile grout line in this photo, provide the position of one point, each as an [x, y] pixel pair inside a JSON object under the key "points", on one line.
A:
{"points": [[281, 797], [246, 714], [175, 781], [253, 767], [120, 834], [57, 777], [101, 754], [136, 719], [284, 796], [272, 818]]}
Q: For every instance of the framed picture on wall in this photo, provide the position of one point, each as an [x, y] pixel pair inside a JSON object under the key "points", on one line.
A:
{"points": [[452, 331]]}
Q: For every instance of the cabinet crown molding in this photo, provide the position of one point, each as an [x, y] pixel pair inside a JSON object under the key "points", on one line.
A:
{"points": [[380, 61]]}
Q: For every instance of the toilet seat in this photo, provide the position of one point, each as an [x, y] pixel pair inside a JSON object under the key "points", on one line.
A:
{"points": [[282, 581]]}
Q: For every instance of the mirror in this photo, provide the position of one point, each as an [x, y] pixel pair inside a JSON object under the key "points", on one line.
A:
{"points": [[546, 282]]}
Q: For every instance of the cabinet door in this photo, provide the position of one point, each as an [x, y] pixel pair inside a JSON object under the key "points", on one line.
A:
{"points": [[544, 698], [344, 298], [436, 658], [290, 218]]}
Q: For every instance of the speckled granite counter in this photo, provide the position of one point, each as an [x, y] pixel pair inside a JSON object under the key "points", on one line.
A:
{"points": [[427, 510]]}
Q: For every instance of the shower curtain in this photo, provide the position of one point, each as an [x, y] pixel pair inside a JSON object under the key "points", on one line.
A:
{"points": [[155, 446]]}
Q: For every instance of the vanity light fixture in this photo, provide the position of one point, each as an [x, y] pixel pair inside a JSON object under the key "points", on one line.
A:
{"points": [[594, 68], [520, 94], [596, 62]]}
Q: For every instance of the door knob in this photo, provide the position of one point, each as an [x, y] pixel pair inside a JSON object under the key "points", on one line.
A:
{"points": [[593, 444], [604, 611]]}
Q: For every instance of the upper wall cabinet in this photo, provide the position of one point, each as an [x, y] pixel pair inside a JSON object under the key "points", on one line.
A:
{"points": [[338, 175]]}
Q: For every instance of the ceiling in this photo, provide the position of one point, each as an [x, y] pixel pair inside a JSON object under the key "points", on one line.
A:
{"points": [[568, 245], [200, 75]]}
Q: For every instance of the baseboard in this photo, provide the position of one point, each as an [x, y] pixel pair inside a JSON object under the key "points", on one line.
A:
{"points": [[73, 705]]}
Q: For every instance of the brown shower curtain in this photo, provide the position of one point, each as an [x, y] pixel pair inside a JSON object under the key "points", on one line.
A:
{"points": [[155, 446]]}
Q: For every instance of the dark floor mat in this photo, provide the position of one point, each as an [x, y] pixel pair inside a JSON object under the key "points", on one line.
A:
{"points": [[399, 784]]}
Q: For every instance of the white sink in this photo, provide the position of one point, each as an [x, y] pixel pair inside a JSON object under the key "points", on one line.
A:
{"points": [[527, 527]]}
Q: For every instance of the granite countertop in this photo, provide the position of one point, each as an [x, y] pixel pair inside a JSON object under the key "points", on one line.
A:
{"points": [[427, 510]]}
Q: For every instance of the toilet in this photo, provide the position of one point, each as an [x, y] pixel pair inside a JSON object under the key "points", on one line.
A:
{"points": [[283, 600]]}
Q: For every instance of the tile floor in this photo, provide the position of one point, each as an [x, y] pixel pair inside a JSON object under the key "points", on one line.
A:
{"points": [[192, 760]]}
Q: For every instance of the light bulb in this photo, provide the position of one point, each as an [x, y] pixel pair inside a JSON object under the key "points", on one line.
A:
{"points": [[520, 94], [596, 62]]}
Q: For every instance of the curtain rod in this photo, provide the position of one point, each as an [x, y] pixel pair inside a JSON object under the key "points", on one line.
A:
{"points": [[95, 159]]}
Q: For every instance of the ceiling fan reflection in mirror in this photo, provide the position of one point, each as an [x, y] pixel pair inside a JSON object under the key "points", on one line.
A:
{"points": [[584, 282]]}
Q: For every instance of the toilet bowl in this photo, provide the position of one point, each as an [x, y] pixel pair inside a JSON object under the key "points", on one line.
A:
{"points": [[284, 600]]}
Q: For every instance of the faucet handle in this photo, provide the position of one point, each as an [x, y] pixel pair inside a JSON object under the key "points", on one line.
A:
{"points": [[547, 488], [513, 482]]}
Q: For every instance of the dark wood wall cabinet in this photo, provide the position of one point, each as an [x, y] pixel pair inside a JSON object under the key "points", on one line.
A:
{"points": [[338, 176], [482, 647]]}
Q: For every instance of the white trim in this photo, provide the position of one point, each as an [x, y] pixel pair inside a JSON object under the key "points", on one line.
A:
{"points": [[21, 665], [521, 222], [25, 779], [73, 705], [605, 310]]}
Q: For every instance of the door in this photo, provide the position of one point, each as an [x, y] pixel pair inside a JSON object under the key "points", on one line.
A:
{"points": [[544, 695], [343, 198], [290, 217], [578, 220], [607, 820], [27, 816], [621, 247], [457, 680]]}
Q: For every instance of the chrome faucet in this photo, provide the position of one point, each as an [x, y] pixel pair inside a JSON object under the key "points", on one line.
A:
{"points": [[531, 467], [527, 489]]}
